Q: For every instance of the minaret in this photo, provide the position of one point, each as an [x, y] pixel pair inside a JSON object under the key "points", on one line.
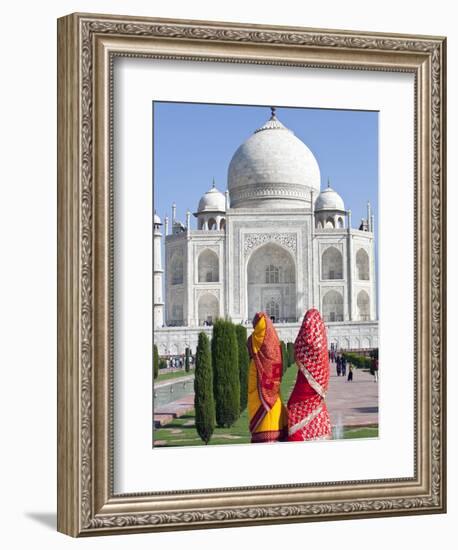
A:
{"points": [[349, 268], [188, 221], [227, 199], [158, 317]]}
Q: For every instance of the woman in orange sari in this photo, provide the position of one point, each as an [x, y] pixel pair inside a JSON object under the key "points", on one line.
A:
{"points": [[266, 412], [308, 416]]}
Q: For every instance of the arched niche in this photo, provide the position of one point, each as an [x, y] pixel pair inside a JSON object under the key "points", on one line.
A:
{"points": [[362, 265], [208, 267], [366, 342], [176, 312], [363, 305], [332, 306], [345, 343], [176, 269], [208, 309], [331, 264]]}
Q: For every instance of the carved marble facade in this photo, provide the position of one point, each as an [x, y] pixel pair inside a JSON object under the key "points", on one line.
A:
{"points": [[280, 245]]}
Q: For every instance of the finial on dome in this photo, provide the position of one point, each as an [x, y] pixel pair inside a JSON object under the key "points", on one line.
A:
{"points": [[273, 123], [213, 184], [329, 183]]}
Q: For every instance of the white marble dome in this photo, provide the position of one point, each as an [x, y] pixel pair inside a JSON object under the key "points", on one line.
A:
{"points": [[329, 200], [273, 169], [157, 219], [212, 201]]}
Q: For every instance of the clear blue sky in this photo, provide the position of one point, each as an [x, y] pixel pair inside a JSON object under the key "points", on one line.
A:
{"points": [[194, 143]]}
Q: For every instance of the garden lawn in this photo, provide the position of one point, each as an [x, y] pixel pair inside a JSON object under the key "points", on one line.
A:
{"points": [[354, 433]]}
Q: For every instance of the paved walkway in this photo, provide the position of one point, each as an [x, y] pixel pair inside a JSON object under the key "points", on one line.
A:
{"points": [[352, 403], [175, 409]]}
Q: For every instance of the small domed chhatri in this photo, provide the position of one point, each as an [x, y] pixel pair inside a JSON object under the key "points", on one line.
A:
{"points": [[212, 201], [273, 169], [211, 210], [330, 211], [157, 219], [329, 199]]}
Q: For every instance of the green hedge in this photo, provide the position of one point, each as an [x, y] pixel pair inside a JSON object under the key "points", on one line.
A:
{"points": [[359, 361]]}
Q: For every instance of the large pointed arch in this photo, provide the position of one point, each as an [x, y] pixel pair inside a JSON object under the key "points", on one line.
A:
{"points": [[271, 282]]}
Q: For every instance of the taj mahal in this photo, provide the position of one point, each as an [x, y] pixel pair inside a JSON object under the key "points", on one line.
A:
{"points": [[274, 241]]}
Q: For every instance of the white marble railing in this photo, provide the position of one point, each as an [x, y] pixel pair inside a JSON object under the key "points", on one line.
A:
{"points": [[346, 335]]}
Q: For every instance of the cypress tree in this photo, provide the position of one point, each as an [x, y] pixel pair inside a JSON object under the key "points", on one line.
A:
{"points": [[186, 359], [226, 382], [284, 356], [290, 348], [155, 362], [244, 364], [204, 403]]}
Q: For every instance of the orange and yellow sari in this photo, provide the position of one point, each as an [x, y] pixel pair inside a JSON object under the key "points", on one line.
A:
{"points": [[267, 414]]}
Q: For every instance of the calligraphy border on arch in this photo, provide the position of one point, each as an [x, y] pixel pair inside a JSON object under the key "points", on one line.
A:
{"points": [[78, 514]]}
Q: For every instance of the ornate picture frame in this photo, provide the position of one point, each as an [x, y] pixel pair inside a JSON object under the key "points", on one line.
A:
{"points": [[87, 46]]}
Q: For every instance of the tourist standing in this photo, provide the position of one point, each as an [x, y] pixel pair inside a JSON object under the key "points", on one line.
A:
{"points": [[338, 365], [343, 366], [350, 373], [375, 368]]}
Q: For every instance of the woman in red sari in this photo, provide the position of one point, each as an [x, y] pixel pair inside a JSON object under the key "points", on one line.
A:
{"points": [[307, 411], [266, 412]]}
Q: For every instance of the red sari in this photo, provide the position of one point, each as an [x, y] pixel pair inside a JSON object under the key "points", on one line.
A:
{"points": [[308, 416]]}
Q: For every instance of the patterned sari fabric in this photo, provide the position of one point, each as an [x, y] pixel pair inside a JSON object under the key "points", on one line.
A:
{"points": [[266, 412], [307, 411]]}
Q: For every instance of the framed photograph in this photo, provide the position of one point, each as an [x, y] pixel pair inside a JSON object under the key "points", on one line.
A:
{"points": [[251, 285]]}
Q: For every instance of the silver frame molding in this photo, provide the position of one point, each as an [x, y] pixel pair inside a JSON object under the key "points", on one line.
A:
{"points": [[87, 45]]}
